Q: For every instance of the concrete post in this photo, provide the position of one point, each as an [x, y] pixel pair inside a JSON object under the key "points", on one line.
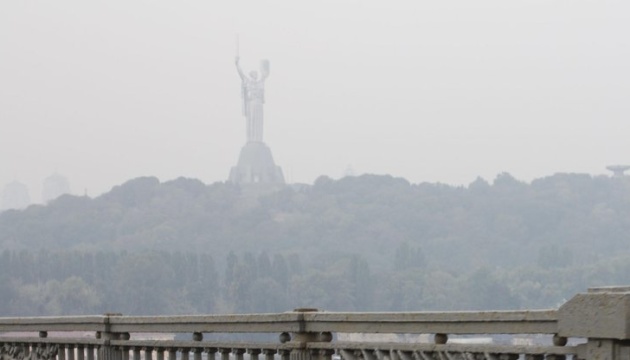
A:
{"points": [[106, 351], [300, 339], [602, 315]]}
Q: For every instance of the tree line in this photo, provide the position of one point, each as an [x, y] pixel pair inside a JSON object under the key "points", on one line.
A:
{"points": [[357, 243], [161, 283]]}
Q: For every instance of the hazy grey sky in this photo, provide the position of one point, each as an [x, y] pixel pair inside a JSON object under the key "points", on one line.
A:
{"points": [[104, 91]]}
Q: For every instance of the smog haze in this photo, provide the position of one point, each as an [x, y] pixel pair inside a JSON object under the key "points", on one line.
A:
{"points": [[445, 91]]}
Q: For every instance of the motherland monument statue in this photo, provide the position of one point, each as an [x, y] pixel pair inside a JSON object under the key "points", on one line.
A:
{"points": [[255, 163], [253, 93]]}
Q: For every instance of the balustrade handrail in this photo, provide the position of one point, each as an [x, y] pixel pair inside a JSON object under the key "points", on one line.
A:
{"points": [[454, 322], [600, 318], [451, 322], [54, 323]]}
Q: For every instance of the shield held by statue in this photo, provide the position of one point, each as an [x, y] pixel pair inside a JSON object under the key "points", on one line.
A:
{"points": [[264, 67]]}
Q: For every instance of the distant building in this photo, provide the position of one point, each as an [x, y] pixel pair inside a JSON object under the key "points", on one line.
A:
{"points": [[618, 170], [15, 196], [54, 186]]}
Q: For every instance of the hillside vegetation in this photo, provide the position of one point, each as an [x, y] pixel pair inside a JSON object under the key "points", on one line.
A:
{"points": [[358, 243]]}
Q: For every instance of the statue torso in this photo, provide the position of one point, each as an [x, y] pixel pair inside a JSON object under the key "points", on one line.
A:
{"points": [[254, 89]]}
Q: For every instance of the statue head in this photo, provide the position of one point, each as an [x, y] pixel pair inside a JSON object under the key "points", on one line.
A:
{"points": [[253, 74]]}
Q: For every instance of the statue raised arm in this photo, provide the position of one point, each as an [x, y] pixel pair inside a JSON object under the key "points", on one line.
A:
{"points": [[238, 68]]}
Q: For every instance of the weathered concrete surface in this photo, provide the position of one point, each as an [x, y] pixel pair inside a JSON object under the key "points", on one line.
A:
{"points": [[600, 316], [602, 313], [52, 323], [452, 322]]}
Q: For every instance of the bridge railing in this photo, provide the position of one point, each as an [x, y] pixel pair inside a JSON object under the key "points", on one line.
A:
{"points": [[593, 325]]}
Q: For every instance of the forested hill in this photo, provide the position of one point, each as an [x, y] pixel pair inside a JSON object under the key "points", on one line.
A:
{"points": [[359, 243], [556, 220]]}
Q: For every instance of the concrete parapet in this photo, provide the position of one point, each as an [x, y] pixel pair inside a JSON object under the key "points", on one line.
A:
{"points": [[598, 322], [602, 313]]}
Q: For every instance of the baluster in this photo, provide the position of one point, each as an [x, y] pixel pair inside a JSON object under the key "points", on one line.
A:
{"points": [[269, 354], [32, 349], [382, 355], [284, 354], [148, 353], [326, 354], [211, 353], [172, 354], [225, 353], [16, 350], [238, 353], [253, 353], [455, 356], [136, 353], [555, 357], [197, 353], [93, 353], [124, 350], [185, 352], [41, 351], [80, 352], [491, 356], [61, 355], [159, 354], [70, 351], [534, 357], [368, 354], [90, 352]]}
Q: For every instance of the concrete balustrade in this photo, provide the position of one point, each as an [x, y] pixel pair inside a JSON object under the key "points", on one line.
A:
{"points": [[594, 325]]}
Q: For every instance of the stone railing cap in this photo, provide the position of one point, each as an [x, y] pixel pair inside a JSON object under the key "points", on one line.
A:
{"points": [[602, 313], [609, 289]]}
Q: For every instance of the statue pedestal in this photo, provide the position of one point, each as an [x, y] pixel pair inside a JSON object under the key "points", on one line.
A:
{"points": [[256, 166]]}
